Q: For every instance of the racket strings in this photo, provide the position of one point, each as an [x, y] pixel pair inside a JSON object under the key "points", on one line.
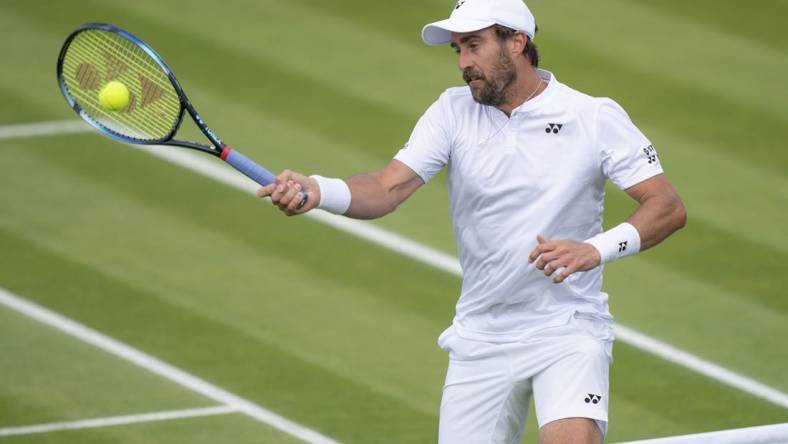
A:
{"points": [[96, 57], [118, 55], [144, 126]]}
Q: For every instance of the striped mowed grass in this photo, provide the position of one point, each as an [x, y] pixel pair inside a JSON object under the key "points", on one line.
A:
{"points": [[327, 329]]}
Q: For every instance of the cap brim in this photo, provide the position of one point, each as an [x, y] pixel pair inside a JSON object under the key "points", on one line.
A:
{"points": [[439, 33]]}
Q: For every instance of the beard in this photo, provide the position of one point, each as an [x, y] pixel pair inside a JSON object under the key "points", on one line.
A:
{"points": [[495, 87]]}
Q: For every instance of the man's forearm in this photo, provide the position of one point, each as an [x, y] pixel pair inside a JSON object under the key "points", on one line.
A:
{"points": [[377, 194], [363, 196], [658, 217], [369, 197]]}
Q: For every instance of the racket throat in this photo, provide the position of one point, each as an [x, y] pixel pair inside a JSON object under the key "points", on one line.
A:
{"points": [[225, 152]]}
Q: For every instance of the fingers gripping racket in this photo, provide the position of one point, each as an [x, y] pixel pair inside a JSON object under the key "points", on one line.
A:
{"points": [[123, 88]]}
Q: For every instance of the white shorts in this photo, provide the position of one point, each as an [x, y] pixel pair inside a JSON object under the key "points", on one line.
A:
{"points": [[488, 385]]}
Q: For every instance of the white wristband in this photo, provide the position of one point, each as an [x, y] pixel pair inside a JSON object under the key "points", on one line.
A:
{"points": [[334, 194], [617, 242]]}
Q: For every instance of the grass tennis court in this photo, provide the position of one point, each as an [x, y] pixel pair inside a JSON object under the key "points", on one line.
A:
{"points": [[332, 331]]}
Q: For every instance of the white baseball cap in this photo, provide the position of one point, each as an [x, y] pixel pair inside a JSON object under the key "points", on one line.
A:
{"points": [[473, 15]]}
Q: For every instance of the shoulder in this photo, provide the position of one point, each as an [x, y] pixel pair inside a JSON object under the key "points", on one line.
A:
{"points": [[584, 104], [456, 93], [605, 120], [452, 105], [611, 115], [599, 111], [458, 99], [607, 107]]}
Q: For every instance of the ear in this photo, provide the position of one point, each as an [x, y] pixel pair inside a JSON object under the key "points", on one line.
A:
{"points": [[518, 42]]}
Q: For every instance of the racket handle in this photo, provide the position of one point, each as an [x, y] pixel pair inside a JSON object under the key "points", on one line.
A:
{"points": [[254, 171], [247, 166]]}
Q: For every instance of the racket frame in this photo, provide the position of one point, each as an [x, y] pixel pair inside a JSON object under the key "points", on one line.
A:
{"points": [[234, 158]]}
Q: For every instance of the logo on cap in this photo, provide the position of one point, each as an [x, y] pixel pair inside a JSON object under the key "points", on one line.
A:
{"points": [[459, 3]]}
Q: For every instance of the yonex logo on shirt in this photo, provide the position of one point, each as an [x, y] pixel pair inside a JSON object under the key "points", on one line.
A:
{"points": [[553, 128], [651, 153], [459, 3], [593, 399]]}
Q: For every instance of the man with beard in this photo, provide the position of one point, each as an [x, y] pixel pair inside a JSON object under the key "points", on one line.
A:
{"points": [[527, 161]]}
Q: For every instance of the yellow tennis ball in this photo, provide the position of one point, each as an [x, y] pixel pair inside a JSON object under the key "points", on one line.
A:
{"points": [[114, 96]]}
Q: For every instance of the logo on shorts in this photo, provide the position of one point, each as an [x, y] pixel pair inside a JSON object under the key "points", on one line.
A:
{"points": [[593, 399], [553, 128]]}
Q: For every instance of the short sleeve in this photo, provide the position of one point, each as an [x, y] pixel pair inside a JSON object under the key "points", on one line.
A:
{"points": [[428, 148], [628, 157]]}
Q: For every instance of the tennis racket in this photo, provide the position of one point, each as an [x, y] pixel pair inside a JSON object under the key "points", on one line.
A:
{"points": [[153, 102]]}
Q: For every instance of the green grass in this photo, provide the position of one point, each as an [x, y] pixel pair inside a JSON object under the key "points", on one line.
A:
{"points": [[329, 330]]}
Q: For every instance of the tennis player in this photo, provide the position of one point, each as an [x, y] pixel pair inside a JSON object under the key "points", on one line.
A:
{"points": [[527, 160]]}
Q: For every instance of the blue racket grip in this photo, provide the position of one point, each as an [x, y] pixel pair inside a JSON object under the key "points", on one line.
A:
{"points": [[247, 166], [253, 171]]}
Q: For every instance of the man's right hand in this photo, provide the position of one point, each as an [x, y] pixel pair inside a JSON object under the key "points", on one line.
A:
{"points": [[289, 189]]}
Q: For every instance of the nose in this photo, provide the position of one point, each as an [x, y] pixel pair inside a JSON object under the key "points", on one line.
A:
{"points": [[464, 61]]}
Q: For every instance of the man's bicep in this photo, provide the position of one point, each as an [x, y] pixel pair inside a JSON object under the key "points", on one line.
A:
{"points": [[399, 180], [657, 185]]}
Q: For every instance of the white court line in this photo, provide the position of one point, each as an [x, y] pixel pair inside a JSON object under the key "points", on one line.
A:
{"points": [[768, 434], [44, 129], [117, 420], [226, 175], [161, 368], [702, 366]]}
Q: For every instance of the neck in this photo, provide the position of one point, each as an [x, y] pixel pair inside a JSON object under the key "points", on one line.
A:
{"points": [[527, 86]]}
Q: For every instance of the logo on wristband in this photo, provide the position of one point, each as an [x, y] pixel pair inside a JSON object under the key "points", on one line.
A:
{"points": [[622, 247]]}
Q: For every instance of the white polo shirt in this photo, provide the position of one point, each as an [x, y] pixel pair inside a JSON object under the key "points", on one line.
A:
{"points": [[541, 171]]}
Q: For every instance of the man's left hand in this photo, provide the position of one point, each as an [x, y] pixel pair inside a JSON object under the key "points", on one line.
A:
{"points": [[550, 255]]}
